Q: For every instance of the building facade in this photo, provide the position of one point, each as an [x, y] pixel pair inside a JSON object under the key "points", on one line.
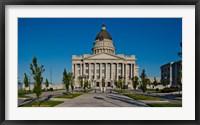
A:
{"points": [[170, 72], [103, 66]]}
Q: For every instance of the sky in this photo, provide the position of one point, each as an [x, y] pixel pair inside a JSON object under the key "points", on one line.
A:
{"points": [[154, 42]]}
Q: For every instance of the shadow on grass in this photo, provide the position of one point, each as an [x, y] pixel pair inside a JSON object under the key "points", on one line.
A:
{"points": [[126, 100]]}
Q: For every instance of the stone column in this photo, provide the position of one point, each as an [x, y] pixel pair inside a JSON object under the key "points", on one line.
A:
{"points": [[95, 71], [81, 69], [126, 72], [105, 73], [117, 71], [111, 73], [131, 70], [73, 70], [170, 76], [123, 70], [100, 70], [89, 71]]}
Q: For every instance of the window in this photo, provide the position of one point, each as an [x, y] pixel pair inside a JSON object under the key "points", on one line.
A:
{"points": [[101, 38], [97, 71], [87, 71]]}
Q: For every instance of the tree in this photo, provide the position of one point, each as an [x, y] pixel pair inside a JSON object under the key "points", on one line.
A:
{"points": [[135, 82], [89, 84], [72, 85], [47, 83], [81, 81], [26, 84], [36, 72], [116, 83], [120, 84], [143, 85], [164, 81], [66, 80], [155, 83], [85, 85], [179, 77], [71, 80], [124, 86], [149, 83]]}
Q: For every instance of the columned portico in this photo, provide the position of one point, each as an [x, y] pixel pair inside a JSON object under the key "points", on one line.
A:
{"points": [[103, 63]]}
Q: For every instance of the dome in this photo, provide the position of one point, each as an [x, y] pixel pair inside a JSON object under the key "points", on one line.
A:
{"points": [[103, 42], [103, 34]]}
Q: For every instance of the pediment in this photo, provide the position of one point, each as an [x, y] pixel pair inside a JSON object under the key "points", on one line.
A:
{"points": [[104, 56]]}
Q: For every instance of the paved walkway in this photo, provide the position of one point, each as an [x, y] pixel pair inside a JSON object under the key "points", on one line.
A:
{"points": [[100, 99]]}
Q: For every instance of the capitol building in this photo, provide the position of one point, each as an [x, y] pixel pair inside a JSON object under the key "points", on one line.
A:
{"points": [[104, 66]]}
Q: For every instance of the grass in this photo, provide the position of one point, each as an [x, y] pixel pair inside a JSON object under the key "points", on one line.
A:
{"points": [[138, 96], [141, 97], [22, 93], [43, 104], [121, 91], [164, 105], [150, 92], [87, 90], [69, 96], [23, 96], [58, 89]]}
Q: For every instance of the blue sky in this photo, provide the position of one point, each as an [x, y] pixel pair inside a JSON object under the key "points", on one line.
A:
{"points": [[154, 41]]}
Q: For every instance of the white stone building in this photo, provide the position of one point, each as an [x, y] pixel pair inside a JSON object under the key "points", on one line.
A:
{"points": [[170, 72], [103, 64]]}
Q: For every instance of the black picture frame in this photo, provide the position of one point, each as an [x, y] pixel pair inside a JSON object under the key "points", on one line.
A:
{"points": [[99, 2]]}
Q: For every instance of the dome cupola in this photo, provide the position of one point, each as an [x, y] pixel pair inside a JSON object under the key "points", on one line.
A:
{"points": [[103, 42], [103, 34]]}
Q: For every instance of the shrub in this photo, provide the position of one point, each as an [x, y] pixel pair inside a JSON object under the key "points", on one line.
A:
{"points": [[157, 89]]}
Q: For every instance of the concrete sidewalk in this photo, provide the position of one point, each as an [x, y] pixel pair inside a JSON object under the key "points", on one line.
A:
{"points": [[100, 99]]}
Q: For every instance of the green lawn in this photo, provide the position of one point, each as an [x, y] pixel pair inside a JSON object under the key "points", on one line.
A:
{"points": [[138, 96], [22, 94], [58, 89], [88, 90], [141, 97], [164, 105], [43, 104], [69, 96], [120, 91], [150, 92]]}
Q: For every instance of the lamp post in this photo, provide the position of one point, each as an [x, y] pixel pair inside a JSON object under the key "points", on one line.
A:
{"points": [[121, 82]]}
